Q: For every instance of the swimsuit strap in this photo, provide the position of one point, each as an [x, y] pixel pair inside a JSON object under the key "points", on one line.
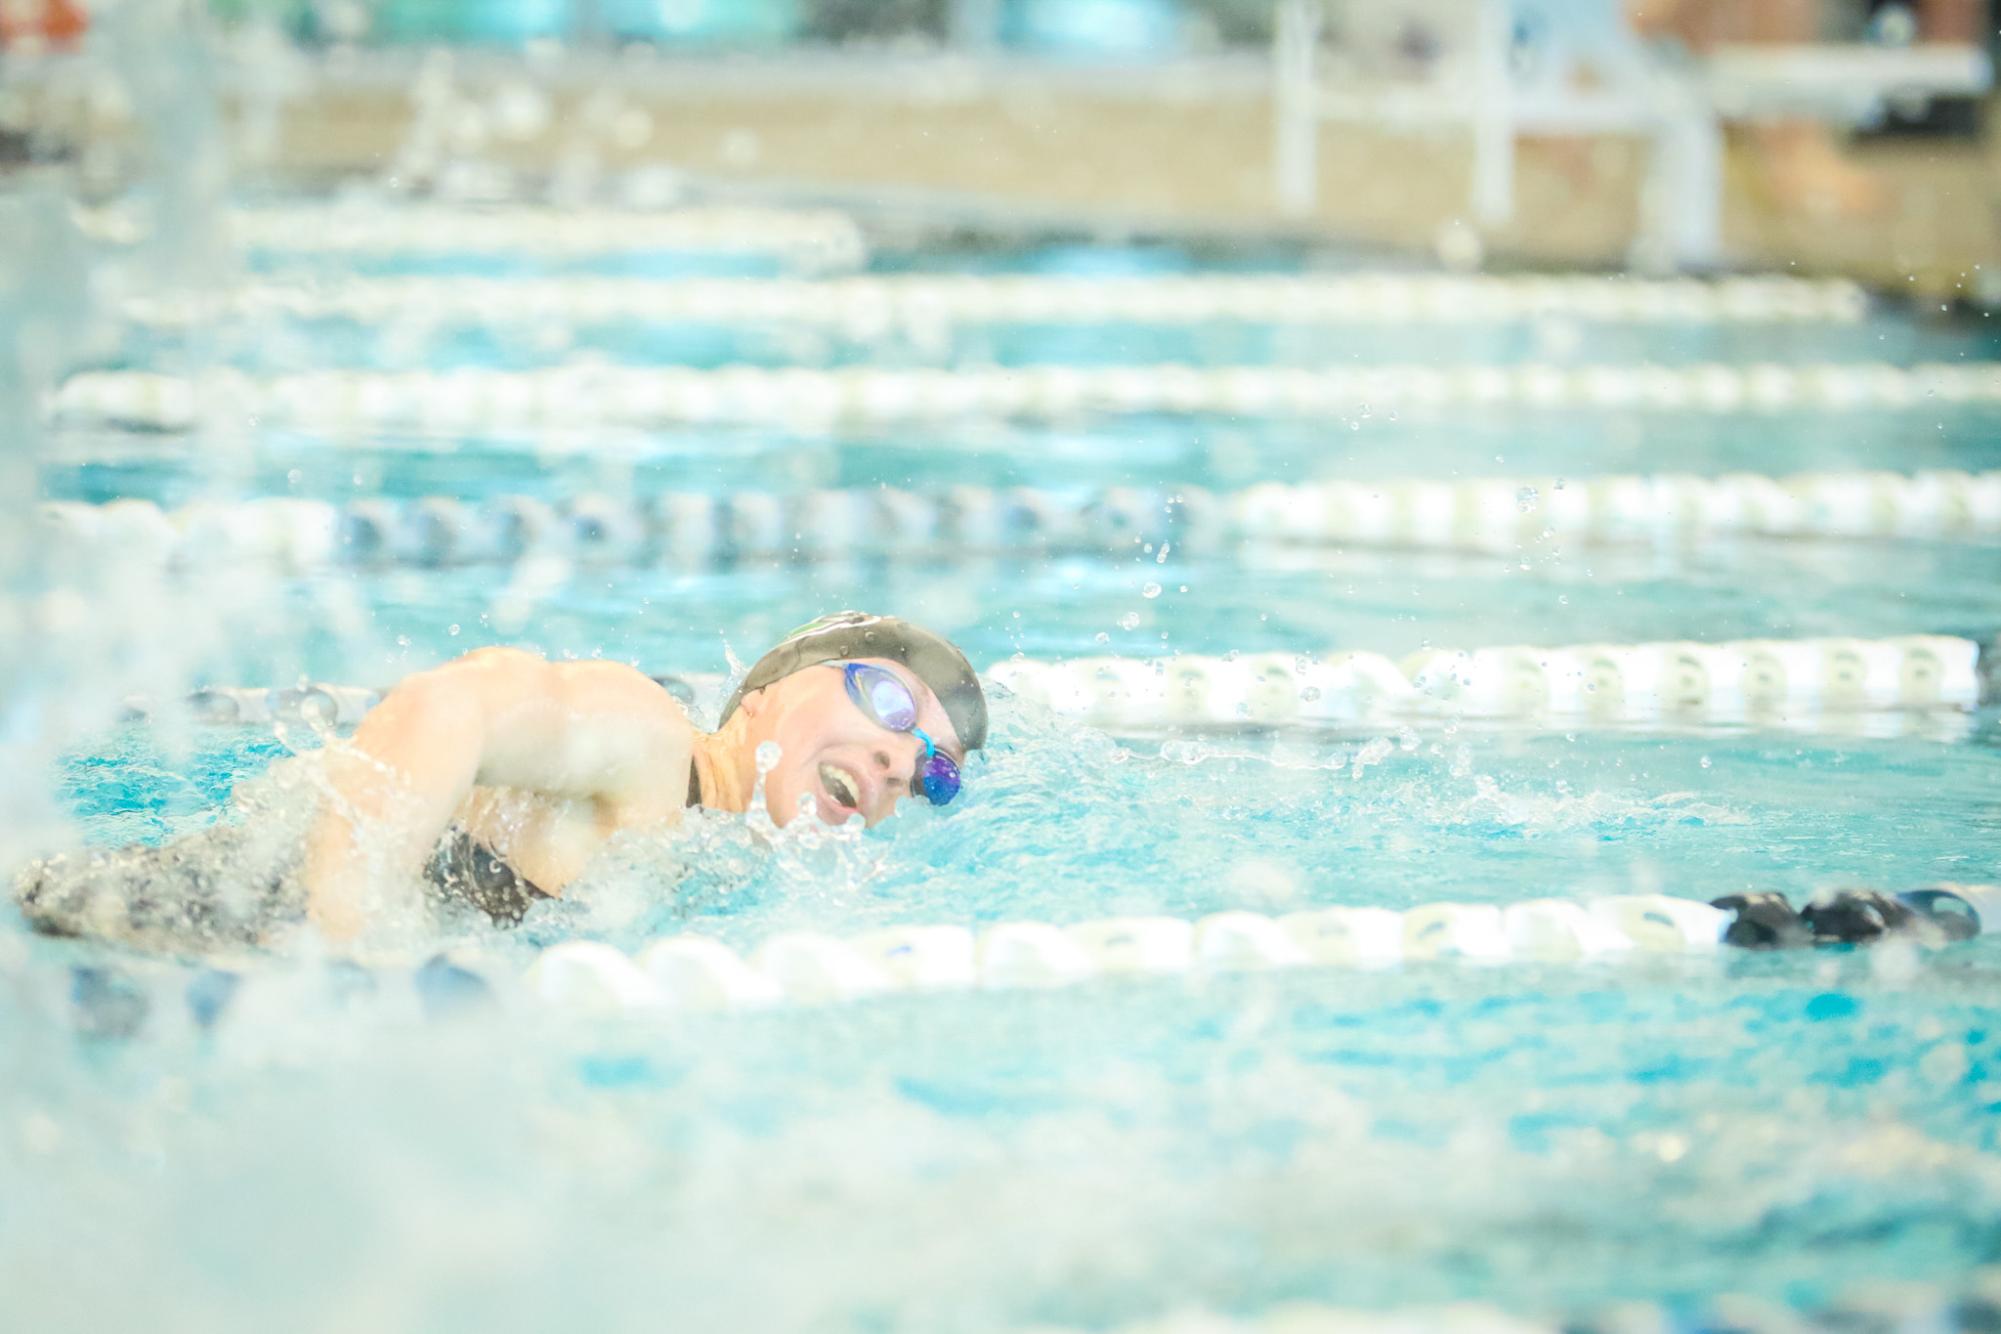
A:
{"points": [[464, 866]]}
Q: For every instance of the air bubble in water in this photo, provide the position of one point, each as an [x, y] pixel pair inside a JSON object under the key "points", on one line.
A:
{"points": [[1129, 621], [1526, 498], [1152, 590], [1102, 638]]}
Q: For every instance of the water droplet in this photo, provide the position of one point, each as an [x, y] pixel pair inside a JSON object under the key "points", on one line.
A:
{"points": [[453, 629], [1102, 637], [1129, 621], [1152, 590], [1310, 694], [1526, 498], [768, 754], [1705, 761]]}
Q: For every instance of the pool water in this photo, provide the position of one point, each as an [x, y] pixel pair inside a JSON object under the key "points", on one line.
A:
{"points": [[1546, 1139]]}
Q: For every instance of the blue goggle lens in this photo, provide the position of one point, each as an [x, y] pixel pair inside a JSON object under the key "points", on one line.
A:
{"points": [[887, 699], [939, 782], [884, 697]]}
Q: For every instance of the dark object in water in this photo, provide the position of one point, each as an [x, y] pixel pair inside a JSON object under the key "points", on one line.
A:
{"points": [[1764, 922]]}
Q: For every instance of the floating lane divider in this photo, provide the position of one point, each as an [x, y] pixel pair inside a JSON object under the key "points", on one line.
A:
{"points": [[1490, 515], [693, 972], [868, 305], [1787, 681], [1965, 1303], [472, 401], [813, 238]]}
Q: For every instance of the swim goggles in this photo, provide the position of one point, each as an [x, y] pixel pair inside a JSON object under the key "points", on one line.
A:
{"points": [[882, 696]]}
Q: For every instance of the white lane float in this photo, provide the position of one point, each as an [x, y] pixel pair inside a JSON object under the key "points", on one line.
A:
{"points": [[1796, 683], [878, 304], [814, 239], [583, 397], [695, 973]]}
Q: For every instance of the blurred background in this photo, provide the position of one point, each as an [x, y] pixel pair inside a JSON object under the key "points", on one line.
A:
{"points": [[1211, 371], [1673, 132]]}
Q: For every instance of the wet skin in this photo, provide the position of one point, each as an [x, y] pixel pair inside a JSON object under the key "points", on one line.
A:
{"points": [[832, 752]]}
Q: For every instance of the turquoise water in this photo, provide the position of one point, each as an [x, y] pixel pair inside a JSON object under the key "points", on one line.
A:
{"points": [[1549, 1139], [1281, 823]]}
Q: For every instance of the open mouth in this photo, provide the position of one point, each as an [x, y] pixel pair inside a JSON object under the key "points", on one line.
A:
{"points": [[840, 787]]}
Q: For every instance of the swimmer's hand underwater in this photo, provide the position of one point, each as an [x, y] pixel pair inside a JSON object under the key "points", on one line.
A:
{"points": [[541, 762]]}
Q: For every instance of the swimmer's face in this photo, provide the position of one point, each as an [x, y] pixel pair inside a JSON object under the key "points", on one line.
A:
{"points": [[832, 752]]}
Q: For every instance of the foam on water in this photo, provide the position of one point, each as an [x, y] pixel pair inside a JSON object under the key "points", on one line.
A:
{"points": [[962, 1163]]}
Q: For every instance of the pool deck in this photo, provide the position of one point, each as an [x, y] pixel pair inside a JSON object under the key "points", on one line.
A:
{"points": [[1171, 149]]}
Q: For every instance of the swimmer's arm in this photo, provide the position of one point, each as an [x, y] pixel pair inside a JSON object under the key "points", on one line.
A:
{"points": [[496, 717]]}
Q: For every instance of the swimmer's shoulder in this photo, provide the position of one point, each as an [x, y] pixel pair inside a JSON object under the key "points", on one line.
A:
{"points": [[586, 727], [658, 734], [592, 686]]}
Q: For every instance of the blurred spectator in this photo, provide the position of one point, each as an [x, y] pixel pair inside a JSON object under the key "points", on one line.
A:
{"points": [[44, 24]]}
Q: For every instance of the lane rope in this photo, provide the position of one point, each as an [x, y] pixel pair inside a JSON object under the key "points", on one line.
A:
{"points": [[1965, 1303], [577, 397], [1787, 682], [694, 972], [698, 972], [870, 305], [1479, 515], [818, 239]]}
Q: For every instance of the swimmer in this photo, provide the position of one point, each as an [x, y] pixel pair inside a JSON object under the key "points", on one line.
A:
{"points": [[500, 775]]}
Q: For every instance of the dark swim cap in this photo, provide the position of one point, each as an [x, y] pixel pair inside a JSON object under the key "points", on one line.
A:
{"points": [[847, 635]]}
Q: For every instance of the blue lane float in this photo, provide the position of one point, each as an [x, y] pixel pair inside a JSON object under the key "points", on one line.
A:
{"points": [[1498, 514]]}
